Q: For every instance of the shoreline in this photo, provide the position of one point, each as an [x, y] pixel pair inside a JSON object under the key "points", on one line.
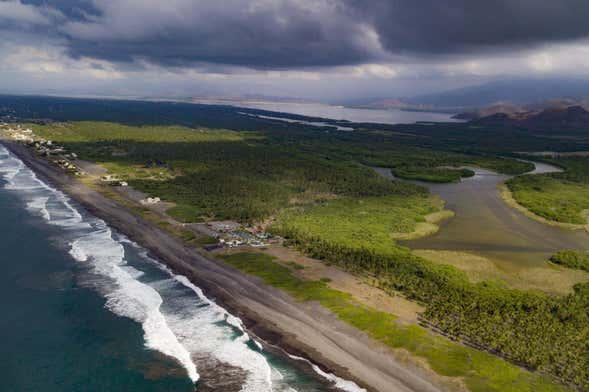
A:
{"points": [[296, 328]]}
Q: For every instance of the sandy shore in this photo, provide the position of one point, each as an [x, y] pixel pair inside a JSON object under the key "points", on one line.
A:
{"points": [[302, 329]]}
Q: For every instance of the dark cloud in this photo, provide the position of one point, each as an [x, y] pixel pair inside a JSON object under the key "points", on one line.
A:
{"points": [[303, 33], [260, 34], [440, 27]]}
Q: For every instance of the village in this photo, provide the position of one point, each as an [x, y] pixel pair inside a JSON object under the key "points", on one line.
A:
{"points": [[45, 148], [228, 234]]}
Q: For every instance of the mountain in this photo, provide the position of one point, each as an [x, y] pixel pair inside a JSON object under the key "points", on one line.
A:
{"points": [[512, 91], [502, 108], [557, 118], [521, 111]]}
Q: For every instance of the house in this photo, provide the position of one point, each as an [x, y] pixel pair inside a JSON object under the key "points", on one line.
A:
{"points": [[150, 200], [56, 151]]}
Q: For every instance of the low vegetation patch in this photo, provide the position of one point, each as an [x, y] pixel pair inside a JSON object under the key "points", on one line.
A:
{"points": [[551, 198], [561, 197], [572, 259], [362, 222], [545, 278], [481, 371]]}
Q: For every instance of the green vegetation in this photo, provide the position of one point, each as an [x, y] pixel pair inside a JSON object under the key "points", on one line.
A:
{"points": [[481, 371], [441, 166], [331, 205], [217, 173], [544, 278], [572, 259], [362, 223], [544, 332], [561, 197]]}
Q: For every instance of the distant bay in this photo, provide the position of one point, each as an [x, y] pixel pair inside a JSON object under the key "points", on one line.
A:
{"points": [[334, 112]]}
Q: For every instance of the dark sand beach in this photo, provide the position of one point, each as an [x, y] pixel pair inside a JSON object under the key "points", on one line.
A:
{"points": [[301, 329]]}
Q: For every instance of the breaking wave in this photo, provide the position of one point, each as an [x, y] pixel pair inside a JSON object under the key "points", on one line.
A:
{"points": [[177, 319]]}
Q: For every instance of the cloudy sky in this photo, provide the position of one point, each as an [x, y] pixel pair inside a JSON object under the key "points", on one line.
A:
{"points": [[316, 49]]}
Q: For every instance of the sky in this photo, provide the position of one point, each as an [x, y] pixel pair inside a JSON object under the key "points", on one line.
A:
{"points": [[325, 50]]}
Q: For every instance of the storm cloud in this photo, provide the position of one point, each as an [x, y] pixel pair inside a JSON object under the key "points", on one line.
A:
{"points": [[277, 34], [258, 34], [441, 27]]}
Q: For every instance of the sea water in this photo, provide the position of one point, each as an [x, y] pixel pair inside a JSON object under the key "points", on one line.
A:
{"points": [[85, 309]]}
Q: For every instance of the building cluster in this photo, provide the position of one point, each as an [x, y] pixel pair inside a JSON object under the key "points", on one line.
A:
{"points": [[20, 134], [231, 234], [44, 148]]}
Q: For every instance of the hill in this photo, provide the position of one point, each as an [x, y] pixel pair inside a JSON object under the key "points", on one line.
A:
{"points": [[572, 118]]}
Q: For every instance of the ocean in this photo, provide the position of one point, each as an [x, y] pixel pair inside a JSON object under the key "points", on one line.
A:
{"points": [[85, 309]]}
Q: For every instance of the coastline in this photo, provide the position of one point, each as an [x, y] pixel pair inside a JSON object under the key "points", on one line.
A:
{"points": [[297, 329]]}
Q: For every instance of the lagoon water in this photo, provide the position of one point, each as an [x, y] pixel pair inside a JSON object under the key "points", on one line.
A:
{"points": [[486, 225], [84, 309]]}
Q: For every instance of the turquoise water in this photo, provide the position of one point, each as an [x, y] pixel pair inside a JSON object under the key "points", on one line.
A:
{"points": [[84, 309]]}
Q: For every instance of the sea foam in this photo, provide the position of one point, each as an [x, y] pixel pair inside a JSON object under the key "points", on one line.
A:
{"points": [[92, 241], [177, 319]]}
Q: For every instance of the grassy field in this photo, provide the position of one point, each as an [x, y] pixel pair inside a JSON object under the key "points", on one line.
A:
{"points": [[479, 370]]}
